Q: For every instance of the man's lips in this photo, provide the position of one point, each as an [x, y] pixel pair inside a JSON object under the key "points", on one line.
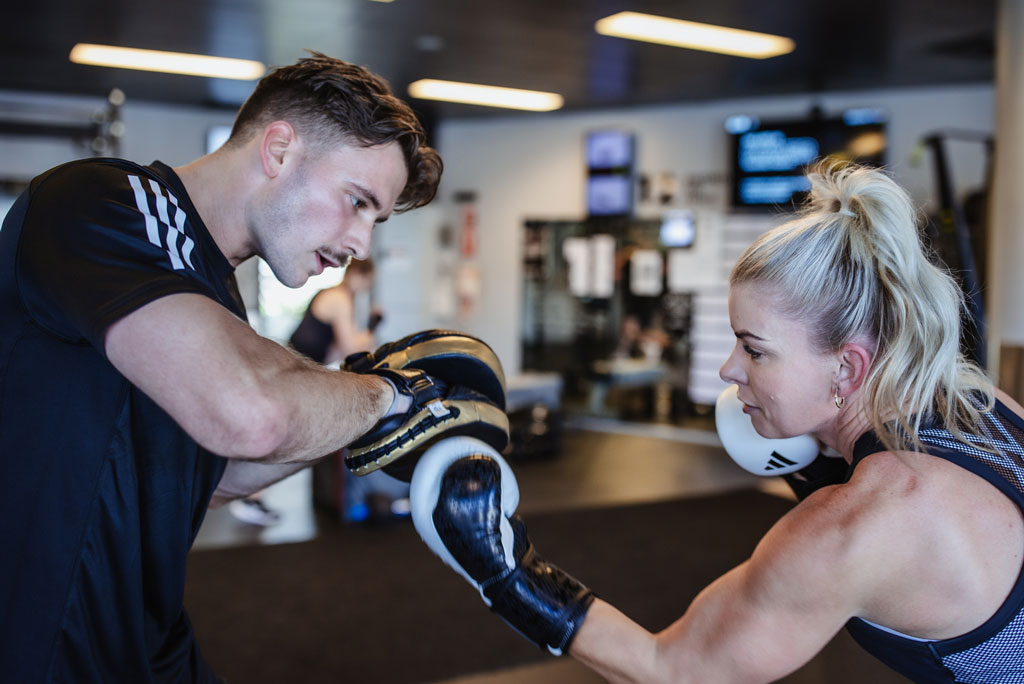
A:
{"points": [[326, 261]]}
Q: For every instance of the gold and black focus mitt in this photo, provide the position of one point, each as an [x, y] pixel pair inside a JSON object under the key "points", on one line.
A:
{"points": [[437, 410], [448, 355]]}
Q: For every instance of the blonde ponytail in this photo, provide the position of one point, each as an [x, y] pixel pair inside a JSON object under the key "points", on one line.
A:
{"points": [[852, 265]]}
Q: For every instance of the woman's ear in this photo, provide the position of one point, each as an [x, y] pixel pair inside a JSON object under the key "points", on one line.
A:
{"points": [[854, 363]]}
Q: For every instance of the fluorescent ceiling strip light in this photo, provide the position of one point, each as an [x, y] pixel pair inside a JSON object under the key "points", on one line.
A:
{"points": [[488, 96], [690, 34], [167, 62]]}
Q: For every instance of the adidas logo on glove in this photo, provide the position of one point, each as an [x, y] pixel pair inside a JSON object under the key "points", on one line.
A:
{"points": [[752, 452]]}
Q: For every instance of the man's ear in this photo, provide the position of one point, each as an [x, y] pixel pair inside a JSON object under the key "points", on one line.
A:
{"points": [[854, 363], [278, 141]]}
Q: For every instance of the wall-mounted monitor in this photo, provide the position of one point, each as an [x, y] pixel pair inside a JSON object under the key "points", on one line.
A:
{"points": [[609, 157], [609, 150], [770, 160], [677, 229]]}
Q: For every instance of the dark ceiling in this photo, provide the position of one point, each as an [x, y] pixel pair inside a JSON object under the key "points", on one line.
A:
{"points": [[546, 45]]}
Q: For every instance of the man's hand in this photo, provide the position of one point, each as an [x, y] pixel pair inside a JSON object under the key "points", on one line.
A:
{"points": [[454, 357], [425, 410]]}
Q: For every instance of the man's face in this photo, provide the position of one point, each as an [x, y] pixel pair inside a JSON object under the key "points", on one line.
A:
{"points": [[322, 207]]}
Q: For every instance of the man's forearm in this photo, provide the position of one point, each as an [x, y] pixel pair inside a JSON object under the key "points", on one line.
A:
{"points": [[235, 393], [242, 478]]}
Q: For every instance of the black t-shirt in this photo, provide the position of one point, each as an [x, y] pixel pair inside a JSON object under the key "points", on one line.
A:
{"points": [[103, 491]]}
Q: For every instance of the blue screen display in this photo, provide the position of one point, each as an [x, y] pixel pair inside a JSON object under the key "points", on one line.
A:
{"points": [[770, 161]]}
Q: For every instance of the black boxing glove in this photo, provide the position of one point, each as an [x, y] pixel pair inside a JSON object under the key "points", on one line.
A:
{"points": [[436, 409], [463, 497]]}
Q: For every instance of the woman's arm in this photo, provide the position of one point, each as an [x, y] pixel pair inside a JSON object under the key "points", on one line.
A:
{"points": [[757, 623], [335, 306]]}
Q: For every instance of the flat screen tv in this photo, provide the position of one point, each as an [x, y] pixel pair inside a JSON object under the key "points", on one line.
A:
{"points": [[609, 156], [770, 160]]}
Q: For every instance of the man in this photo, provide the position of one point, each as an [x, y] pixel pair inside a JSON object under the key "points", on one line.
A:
{"points": [[132, 391]]}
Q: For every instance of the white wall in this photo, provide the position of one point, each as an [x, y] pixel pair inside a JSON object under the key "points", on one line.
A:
{"points": [[531, 166], [174, 135], [523, 167]]}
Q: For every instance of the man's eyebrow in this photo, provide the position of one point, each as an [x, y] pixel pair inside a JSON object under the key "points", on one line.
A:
{"points": [[368, 195], [740, 334]]}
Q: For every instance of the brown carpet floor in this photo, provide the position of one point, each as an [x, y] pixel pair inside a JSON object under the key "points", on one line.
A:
{"points": [[372, 604]]}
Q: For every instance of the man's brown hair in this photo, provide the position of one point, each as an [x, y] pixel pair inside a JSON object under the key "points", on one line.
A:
{"points": [[328, 100]]}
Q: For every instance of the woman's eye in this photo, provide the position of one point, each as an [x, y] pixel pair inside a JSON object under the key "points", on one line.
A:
{"points": [[753, 353]]}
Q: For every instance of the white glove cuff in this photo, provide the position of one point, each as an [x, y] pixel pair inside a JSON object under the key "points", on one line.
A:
{"points": [[400, 403]]}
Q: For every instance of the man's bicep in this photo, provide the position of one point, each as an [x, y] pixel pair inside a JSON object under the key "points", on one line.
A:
{"points": [[198, 362]]}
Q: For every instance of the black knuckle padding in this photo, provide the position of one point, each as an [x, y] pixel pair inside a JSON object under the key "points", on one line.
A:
{"points": [[468, 516], [537, 598], [359, 362]]}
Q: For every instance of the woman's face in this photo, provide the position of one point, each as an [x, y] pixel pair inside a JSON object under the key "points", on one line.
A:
{"points": [[784, 382]]}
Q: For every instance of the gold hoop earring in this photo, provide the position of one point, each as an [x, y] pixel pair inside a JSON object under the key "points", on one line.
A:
{"points": [[838, 399]]}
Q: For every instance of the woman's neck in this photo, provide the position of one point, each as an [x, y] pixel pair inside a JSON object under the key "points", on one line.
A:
{"points": [[846, 428]]}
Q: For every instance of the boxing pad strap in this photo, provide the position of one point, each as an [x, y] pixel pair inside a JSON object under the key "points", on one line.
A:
{"points": [[538, 599], [436, 410]]}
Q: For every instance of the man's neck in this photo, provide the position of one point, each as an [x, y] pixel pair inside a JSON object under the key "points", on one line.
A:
{"points": [[218, 187]]}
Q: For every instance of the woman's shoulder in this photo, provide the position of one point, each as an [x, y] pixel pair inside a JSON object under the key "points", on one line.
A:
{"points": [[1009, 402], [330, 302], [879, 511]]}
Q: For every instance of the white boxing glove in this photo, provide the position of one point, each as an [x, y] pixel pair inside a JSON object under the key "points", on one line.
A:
{"points": [[752, 452]]}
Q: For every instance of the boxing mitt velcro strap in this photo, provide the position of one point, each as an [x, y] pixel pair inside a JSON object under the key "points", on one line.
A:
{"points": [[452, 356], [435, 409], [454, 414]]}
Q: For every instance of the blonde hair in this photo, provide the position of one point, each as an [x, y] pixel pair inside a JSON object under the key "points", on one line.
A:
{"points": [[852, 265]]}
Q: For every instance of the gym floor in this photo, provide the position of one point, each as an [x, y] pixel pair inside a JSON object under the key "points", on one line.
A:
{"points": [[604, 462]]}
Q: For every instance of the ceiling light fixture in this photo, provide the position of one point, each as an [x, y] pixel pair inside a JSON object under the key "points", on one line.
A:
{"points": [[690, 34], [166, 62], [488, 96]]}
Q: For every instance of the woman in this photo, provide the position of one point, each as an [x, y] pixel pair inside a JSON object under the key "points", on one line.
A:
{"points": [[844, 330], [329, 331]]}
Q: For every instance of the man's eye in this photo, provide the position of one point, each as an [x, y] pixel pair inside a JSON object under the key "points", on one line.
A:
{"points": [[357, 203]]}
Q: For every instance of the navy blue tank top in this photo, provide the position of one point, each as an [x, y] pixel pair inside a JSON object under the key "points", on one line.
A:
{"points": [[993, 652]]}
